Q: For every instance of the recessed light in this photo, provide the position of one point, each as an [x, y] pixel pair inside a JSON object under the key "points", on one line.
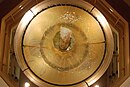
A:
{"points": [[27, 84], [111, 10], [96, 86]]}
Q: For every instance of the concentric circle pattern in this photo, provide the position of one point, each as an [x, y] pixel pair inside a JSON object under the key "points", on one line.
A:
{"points": [[62, 57], [64, 42]]}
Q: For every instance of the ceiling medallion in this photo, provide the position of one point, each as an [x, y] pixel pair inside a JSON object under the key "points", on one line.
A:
{"points": [[64, 44]]}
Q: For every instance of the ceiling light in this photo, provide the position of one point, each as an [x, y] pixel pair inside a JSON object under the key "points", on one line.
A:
{"points": [[27, 84], [111, 10], [96, 86]]}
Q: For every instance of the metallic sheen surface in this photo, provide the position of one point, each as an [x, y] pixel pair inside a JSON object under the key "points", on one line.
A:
{"points": [[82, 55]]}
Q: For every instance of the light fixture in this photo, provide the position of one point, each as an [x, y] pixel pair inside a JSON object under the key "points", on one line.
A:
{"points": [[21, 7], [27, 84], [111, 10], [96, 86]]}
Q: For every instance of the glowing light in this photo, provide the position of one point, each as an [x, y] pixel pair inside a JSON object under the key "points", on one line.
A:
{"points": [[101, 19], [91, 82], [27, 84], [27, 17], [111, 10], [21, 7], [96, 86]]}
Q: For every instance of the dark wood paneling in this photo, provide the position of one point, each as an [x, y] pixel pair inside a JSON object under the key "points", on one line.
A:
{"points": [[121, 7], [6, 6]]}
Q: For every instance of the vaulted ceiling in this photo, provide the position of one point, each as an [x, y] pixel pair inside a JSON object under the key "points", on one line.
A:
{"points": [[122, 7]]}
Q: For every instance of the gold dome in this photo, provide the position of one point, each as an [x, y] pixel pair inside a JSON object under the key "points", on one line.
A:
{"points": [[64, 44]]}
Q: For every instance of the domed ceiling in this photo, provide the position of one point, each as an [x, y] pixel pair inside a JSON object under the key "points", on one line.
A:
{"points": [[63, 43]]}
